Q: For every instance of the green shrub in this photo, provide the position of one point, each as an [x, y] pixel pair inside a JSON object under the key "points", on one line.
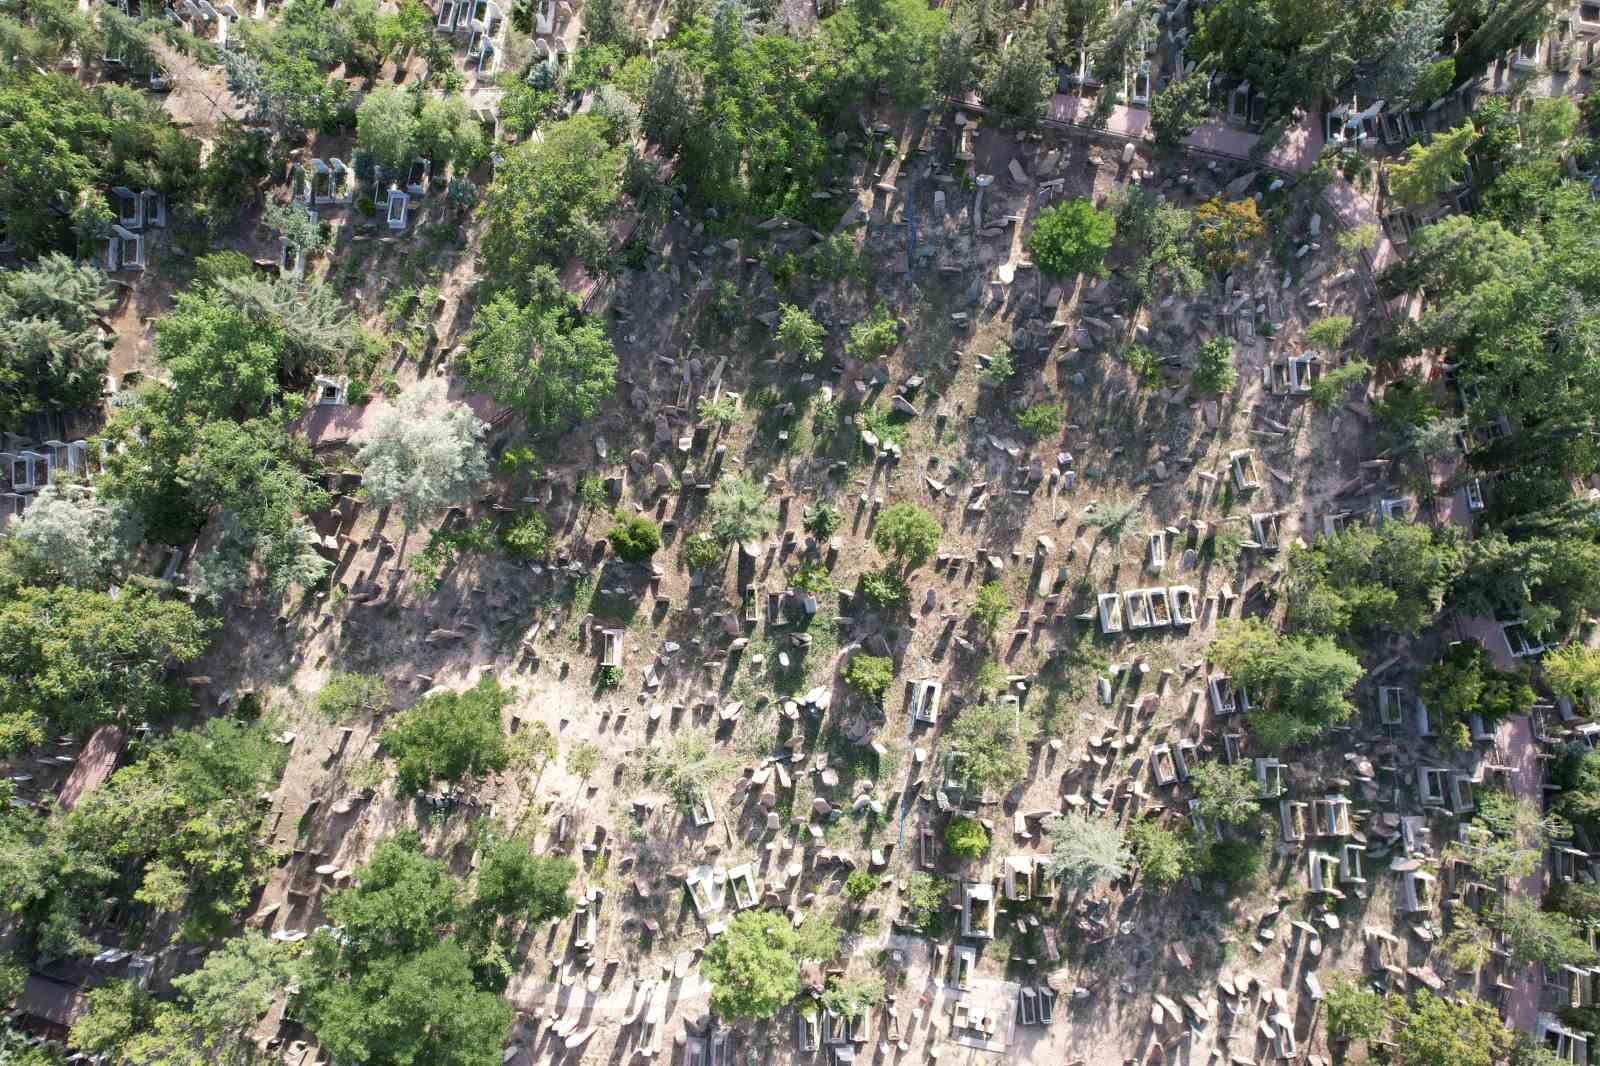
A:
{"points": [[635, 539], [347, 695], [885, 589], [869, 675], [966, 837], [875, 336], [1213, 370], [527, 537], [702, 550], [823, 520], [1042, 420], [860, 884], [990, 608]]}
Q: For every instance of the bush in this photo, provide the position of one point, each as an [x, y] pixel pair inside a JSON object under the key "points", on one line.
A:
{"points": [[702, 551], [216, 266], [1328, 334], [966, 837], [885, 590], [860, 884], [869, 675], [740, 510], [527, 537], [823, 520], [993, 741], [990, 608], [1164, 857], [922, 901], [1213, 370], [875, 336], [347, 695], [799, 334], [635, 539], [1235, 861], [1042, 420]]}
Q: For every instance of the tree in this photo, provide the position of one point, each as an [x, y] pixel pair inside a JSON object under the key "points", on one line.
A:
{"points": [[753, 966], [1224, 229], [1017, 80], [513, 883], [1463, 682], [992, 739], [671, 100], [315, 325], [740, 510], [423, 453], [966, 837], [51, 354], [219, 359], [114, 1013], [220, 1005], [1572, 672], [887, 44], [75, 538], [257, 478], [401, 1008], [1071, 238], [1085, 852], [1436, 1031], [1226, 792], [386, 128], [1548, 938], [1299, 684], [869, 675], [1179, 107], [635, 539], [453, 736], [989, 608], [541, 357], [1394, 575], [799, 334], [1354, 1012], [549, 200], [908, 533], [90, 658], [1429, 170], [446, 132]]}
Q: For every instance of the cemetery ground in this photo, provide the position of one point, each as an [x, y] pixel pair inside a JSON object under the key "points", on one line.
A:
{"points": [[712, 680]]}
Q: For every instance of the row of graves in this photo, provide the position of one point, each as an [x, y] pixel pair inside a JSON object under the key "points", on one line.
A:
{"points": [[28, 465]]}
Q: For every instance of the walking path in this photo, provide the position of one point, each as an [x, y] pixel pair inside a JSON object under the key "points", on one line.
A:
{"points": [[1515, 748]]}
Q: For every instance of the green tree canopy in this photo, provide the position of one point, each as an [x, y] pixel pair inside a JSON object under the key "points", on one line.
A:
{"points": [[542, 358], [1085, 852], [451, 736], [908, 533], [992, 739], [753, 967], [1299, 684], [72, 659], [514, 883], [549, 201], [1071, 238], [422, 454]]}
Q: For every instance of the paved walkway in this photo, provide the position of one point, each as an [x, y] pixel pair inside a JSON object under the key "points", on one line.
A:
{"points": [[1515, 748]]}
